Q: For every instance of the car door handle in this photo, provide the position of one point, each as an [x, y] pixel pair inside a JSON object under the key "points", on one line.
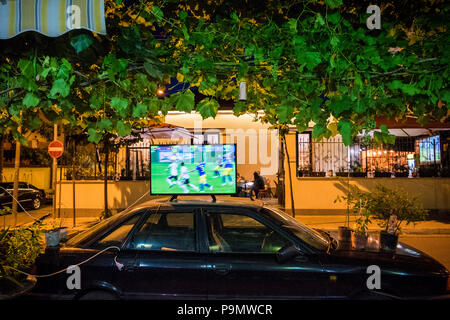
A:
{"points": [[222, 269]]}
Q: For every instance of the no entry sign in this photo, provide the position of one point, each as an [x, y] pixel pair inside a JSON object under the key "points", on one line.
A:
{"points": [[55, 149]]}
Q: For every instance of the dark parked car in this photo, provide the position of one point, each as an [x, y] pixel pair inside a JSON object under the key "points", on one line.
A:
{"points": [[29, 196], [231, 249]]}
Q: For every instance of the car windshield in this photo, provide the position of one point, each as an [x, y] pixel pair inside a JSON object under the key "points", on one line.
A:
{"points": [[80, 238], [307, 235]]}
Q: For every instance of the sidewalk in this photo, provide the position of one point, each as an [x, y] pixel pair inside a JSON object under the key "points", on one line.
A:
{"points": [[331, 223]]}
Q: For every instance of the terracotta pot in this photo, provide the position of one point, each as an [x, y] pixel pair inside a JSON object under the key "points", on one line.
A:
{"points": [[359, 241]]}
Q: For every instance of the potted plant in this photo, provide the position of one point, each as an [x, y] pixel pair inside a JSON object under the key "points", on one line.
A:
{"points": [[392, 207], [54, 233], [19, 248], [356, 170], [357, 200], [352, 199], [342, 172], [359, 236], [381, 174]]}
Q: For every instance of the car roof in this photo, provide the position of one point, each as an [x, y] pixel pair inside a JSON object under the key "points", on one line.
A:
{"points": [[166, 204]]}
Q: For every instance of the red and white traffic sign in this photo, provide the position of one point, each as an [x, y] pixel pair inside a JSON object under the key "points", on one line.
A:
{"points": [[55, 149]]}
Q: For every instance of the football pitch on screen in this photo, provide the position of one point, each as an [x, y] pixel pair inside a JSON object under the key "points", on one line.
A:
{"points": [[160, 173]]}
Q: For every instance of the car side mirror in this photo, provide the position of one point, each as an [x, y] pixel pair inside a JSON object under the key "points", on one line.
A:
{"points": [[287, 253]]}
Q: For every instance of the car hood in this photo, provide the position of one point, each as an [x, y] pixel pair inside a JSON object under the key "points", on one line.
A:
{"points": [[405, 257]]}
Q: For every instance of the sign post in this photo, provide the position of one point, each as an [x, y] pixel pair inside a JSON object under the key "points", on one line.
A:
{"points": [[55, 150]]}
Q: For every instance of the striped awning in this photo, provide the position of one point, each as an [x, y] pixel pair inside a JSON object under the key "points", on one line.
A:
{"points": [[50, 17]]}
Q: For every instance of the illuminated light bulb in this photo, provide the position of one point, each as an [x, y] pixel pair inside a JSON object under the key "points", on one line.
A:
{"points": [[160, 92]]}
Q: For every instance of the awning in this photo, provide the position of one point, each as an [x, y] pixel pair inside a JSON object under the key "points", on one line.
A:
{"points": [[50, 17]]}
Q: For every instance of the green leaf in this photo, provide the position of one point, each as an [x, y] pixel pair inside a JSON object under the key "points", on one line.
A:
{"points": [[310, 58], [153, 70], [34, 123], [31, 100], [333, 3], [81, 42], [334, 17], [345, 129], [445, 96], [159, 15], [292, 26], [94, 136], [285, 112], [120, 105], [61, 87], [340, 105], [239, 107], [104, 124], [319, 131], [183, 15], [140, 110], [26, 67], [123, 129], [185, 101], [319, 19], [95, 102], [208, 108]]}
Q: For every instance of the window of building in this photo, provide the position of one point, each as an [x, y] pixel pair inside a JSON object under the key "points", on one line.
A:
{"points": [[330, 157]]}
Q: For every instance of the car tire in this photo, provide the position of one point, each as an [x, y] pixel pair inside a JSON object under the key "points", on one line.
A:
{"points": [[36, 204], [98, 295]]}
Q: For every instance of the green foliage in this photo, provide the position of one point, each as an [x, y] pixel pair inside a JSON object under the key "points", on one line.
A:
{"points": [[307, 61], [358, 201], [384, 202], [19, 248]]}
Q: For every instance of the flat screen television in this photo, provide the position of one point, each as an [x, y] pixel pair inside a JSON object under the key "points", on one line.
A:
{"points": [[430, 150], [193, 169]]}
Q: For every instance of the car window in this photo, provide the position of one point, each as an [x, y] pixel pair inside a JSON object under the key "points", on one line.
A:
{"points": [[241, 233], [307, 235], [6, 185], [166, 231], [86, 236], [116, 236]]}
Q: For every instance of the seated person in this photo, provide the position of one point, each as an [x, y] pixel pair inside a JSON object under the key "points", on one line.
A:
{"points": [[258, 184]]}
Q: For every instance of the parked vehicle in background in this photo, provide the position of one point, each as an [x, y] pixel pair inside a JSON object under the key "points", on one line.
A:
{"points": [[29, 196]]}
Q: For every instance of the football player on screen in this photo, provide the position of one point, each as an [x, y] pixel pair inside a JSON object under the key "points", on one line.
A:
{"points": [[227, 170], [184, 173], [202, 177], [172, 179]]}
